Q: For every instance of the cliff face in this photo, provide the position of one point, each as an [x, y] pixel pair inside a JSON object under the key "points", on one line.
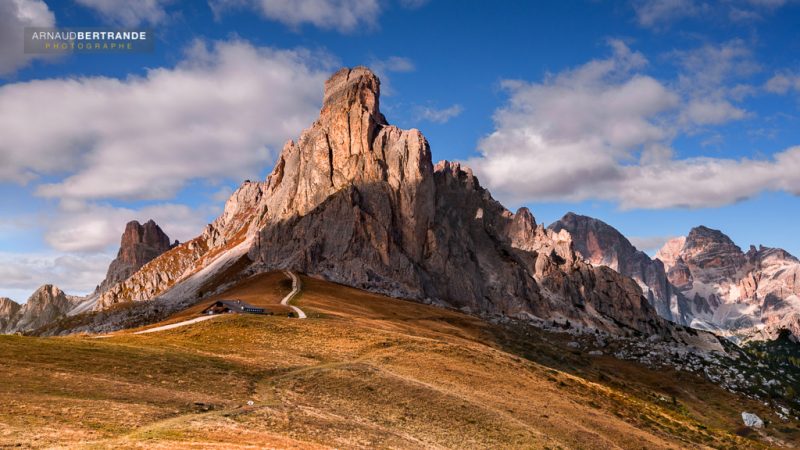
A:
{"points": [[139, 245]]}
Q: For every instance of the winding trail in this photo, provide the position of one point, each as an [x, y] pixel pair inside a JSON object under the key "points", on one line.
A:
{"points": [[296, 286]]}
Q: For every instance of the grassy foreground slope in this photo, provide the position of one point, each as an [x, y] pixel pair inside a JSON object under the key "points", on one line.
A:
{"points": [[363, 371]]}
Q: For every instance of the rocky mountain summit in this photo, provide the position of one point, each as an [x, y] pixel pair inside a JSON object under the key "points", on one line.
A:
{"points": [[358, 201], [46, 305], [139, 245], [748, 295]]}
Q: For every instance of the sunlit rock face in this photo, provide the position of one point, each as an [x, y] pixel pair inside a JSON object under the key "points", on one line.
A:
{"points": [[139, 245], [750, 295], [46, 305], [358, 201], [602, 245]]}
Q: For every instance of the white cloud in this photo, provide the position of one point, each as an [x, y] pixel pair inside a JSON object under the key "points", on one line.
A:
{"points": [[782, 83], [712, 112], [341, 15], [90, 227], [128, 13], [78, 274], [383, 68], [221, 113], [84, 237], [709, 81], [392, 64], [413, 4], [653, 13], [603, 131], [15, 15], [658, 14], [442, 115]]}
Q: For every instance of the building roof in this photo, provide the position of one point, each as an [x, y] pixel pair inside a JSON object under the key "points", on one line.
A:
{"points": [[235, 305]]}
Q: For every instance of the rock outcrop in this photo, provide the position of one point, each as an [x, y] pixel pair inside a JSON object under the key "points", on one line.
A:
{"points": [[139, 245], [602, 245], [46, 305], [748, 295]]}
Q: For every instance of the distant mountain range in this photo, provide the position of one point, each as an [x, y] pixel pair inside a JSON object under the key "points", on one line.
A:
{"points": [[359, 202], [702, 280]]}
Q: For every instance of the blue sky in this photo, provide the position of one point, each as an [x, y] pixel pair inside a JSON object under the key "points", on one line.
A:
{"points": [[652, 115]]}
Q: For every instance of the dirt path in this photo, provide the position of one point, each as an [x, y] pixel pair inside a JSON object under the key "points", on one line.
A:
{"points": [[296, 286]]}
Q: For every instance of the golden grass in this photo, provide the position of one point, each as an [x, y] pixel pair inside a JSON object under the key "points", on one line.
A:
{"points": [[363, 371]]}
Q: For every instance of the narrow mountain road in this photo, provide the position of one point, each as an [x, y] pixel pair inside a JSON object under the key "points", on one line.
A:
{"points": [[177, 325], [296, 286]]}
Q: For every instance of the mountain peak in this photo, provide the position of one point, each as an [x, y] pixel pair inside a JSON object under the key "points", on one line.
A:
{"points": [[357, 201], [349, 89], [48, 289], [705, 233], [712, 254], [138, 246]]}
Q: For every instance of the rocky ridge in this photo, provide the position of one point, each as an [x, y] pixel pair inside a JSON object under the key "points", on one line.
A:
{"points": [[358, 201], [222, 243], [750, 295], [702, 280]]}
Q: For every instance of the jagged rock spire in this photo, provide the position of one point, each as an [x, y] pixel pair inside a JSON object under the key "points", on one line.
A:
{"points": [[139, 245]]}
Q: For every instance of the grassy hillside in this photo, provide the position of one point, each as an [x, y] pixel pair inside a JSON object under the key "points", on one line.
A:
{"points": [[363, 371]]}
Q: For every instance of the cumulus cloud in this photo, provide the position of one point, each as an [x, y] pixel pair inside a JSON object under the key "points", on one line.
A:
{"points": [[15, 15], [442, 115], [128, 13], [221, 113], [341, 15], [84, 237], [712, 112], [603, 131]]}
